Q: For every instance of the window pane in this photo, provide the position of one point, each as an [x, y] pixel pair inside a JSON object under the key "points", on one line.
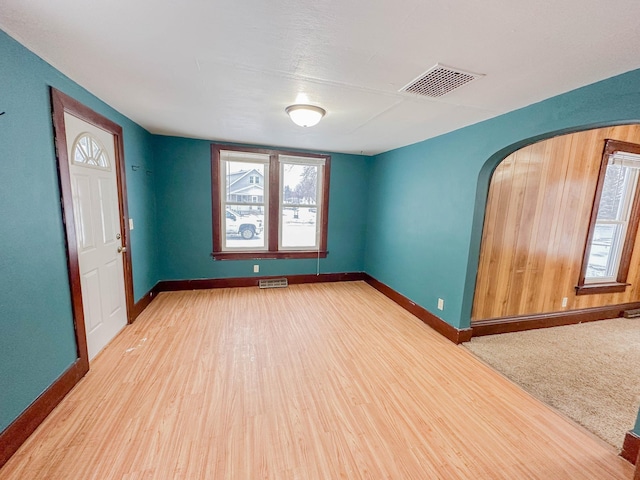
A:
{"points": [[299, 227], [244, 230], [616, 180], [299, 184], [243, 183], [603, 253], [244, 200]]}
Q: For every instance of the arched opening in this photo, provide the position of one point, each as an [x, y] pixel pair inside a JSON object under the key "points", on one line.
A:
{"points": [[543, 204], [536, 224]]}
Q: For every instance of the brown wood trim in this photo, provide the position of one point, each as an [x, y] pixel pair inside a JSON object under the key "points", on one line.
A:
{"points": [[274, 203], [544, 320], [610, 147], [594, 215], [124, 221], [216, 214], [613, 146], [443, 328], [58, 104], [268, 151], [590, 289], [207, 283], [267, 255], [15, 434], [324, 211], [144, 302], [631, 447], [464, 335]]}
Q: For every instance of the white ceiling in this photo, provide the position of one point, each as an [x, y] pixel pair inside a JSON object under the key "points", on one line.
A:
{"points": [[226, 69]]}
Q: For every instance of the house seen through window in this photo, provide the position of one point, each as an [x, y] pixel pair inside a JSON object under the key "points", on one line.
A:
{"points": [[269, 204]]}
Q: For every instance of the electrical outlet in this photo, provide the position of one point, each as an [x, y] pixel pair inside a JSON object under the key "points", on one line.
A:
{"points": [[565, 300], [131, 224], [440, 304], [256, 269]]}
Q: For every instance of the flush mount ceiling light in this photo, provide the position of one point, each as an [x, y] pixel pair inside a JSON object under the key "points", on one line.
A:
{"points": [[305, 115]]}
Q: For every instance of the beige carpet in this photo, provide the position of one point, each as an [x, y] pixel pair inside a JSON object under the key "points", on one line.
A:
{"points": [[590, 371]]}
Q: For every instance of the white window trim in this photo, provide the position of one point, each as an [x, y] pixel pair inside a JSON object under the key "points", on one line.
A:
{"points": [[316, 162], [632, 162], [249, 158]]}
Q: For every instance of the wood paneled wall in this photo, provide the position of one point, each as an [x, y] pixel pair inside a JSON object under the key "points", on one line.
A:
{"points": [[536, 223]]}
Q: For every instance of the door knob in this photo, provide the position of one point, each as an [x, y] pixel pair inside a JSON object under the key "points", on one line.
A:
{"points": [[122, 249]]}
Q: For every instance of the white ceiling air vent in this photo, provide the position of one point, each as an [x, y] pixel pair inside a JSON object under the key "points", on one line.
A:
{"points": [[439, 80]]}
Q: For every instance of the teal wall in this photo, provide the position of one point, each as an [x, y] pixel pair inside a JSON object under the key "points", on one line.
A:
{"points": [[411, 217], [427, 200], [37, 342], [637, 426], [183, 188]]}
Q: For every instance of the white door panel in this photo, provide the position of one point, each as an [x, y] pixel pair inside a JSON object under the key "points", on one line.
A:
{"points": [[110, 271], [91, 290], [110, 224], [82, 198], [92, 169]]}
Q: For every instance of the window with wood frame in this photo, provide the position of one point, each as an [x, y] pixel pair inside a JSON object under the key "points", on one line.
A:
{"points": [[269, 203], [614, 221]]}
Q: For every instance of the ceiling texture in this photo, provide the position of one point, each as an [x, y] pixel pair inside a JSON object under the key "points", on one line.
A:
{"points": [[226, 69]]}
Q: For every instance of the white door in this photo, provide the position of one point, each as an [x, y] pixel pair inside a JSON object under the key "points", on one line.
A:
{"points": [[92, 169]]}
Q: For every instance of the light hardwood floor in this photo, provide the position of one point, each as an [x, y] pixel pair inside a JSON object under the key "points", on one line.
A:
{"points": [[319, 381]]}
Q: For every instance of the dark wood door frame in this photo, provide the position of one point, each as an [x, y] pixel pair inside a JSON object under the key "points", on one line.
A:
{"points": [[62, 103]]}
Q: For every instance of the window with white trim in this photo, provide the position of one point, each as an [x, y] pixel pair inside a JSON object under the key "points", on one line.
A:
{"points": [[300, 195], [268, 203], [614, 221], [242, 201]]}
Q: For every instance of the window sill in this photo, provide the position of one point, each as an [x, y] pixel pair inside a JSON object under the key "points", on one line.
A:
{"points": [[268, 255], [593, 288]]}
